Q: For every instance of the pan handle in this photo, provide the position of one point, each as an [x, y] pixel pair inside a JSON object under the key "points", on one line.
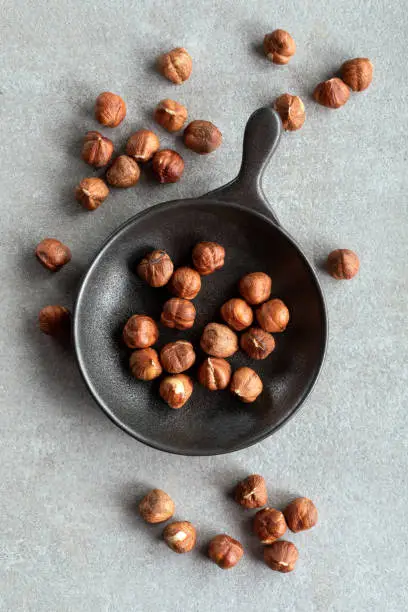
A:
{"points": [[262, 135]]}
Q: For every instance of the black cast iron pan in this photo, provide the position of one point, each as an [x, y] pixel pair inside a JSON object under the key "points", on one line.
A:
{"points": [[239, 217]]}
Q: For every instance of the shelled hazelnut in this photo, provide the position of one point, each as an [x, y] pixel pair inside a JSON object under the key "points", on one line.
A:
{"points": [[177, 356], [140, 331], [185, 283], [52, 254], [237, 314], [180, 536], [251, 492], [178, 313], [257, 343], [301, 514], [142, 145], [110, 109], [54, 320], [167, 166], [357, 73], [124, 172], [176, 65], [145, 364], [333, 93], [279, 46], [156, 268], [176, 390], [214, 373], [91, 192], [291, 111], [208, 257], [202, 137], [273, 316], [156, 507], [246, 385], [97, 150], [171, 115], [269, 525], [225, 551], [343, 264], [219, 340], [255, 287], [281, 556]]}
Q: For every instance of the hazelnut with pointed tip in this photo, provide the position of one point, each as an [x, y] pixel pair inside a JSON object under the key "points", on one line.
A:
{"points": [[219, 340], [301, 514], [237, 314], [145, 364], [91, 192], [176, 390], [333, 93], [97, 150], [281, 556], [156, 268], [110, 109], [246, 385], [178, 313], [142, 145], [251, 492], [185, 283], [269, 525], [255, 287], [180, 536], [156, 507], [279, 46], [176, 65], [273, 316], [225, 551], [214, 373]]}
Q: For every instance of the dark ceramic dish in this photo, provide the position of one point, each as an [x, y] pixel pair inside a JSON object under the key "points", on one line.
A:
{"points": [[239, 217]]}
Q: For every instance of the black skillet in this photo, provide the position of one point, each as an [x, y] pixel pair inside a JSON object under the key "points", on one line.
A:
{"points": [[239, 217]]}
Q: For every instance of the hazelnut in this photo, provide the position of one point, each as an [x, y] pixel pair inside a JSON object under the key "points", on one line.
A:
{"points": [[332, 93], [251, 492], [177, 356], [219, 340], [225, 551], [110, 109], [185, 283], [257, 343], [176, 65], [279, 46], [291, 110], [237, 314], [156, 507], [208, 257], [269, 525], [343, 264], [202, 137], [357, 73], [214, 373], [142, 145], [256, 287], [54, 320], [301, 514], [170, 115], [176, 390], [281, 556], [180, 536], [97, 150], [246, 384], [168, 166], [53, 254], [91, 192], [156, 268], [140, 331], [178, 313], [145, 364], [273, 316], [124, 172]]}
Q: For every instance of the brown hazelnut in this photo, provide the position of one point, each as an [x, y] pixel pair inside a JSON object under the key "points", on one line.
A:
{"points": [[54, 320], [291, 110], [124, 172], [269, 525], [281, 556], [214, 373], [343, 264], [208, 257], [97, 150], [246, 384], [255, 287], [177, 356], [110, 109], [180, 536], [257, 343], [301, 514], [332, 93], [202, 137], [156, 507], [357, 73], [142, 145], [91, 192], [156, 268], [170, 115], [251, 492], [225, 551], [279, 46], [219, 340], [53, 254], [168, 166], [273, 316], [237, 314], [178, 313], [140, 331], [185, 283], [176, 65], [176, 390], [145, 364]]}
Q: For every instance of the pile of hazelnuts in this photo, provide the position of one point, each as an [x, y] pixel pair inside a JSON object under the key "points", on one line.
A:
{"points": [[269, 525]]}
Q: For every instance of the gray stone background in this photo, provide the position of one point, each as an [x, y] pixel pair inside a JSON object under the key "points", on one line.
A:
{"points": [[70, 538]]}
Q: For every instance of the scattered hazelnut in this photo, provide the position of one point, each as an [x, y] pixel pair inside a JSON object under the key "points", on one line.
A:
{"points": [[357, 73], [301, 514], [110, 109], [273, 316], [97, 150], [53, 254], [156, 268], [281, 556], [176, 390], [219, 340], [251, 492], [156, 507], [170, 115], [180, 536], [257, 343], [208, 257], [124, 172], [185, 283], [168, 166], [246, 384], [279, 46], [291, 110], [176, 65], [54, 320], [140, 331], [202, 137], [225, 551], [91, 192], [177, 356], [256, 287], [145, 364], [343, 264], [237, 314], [269, 525], [214, 373], [178, 313], [142, 145], [332, 93]]}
